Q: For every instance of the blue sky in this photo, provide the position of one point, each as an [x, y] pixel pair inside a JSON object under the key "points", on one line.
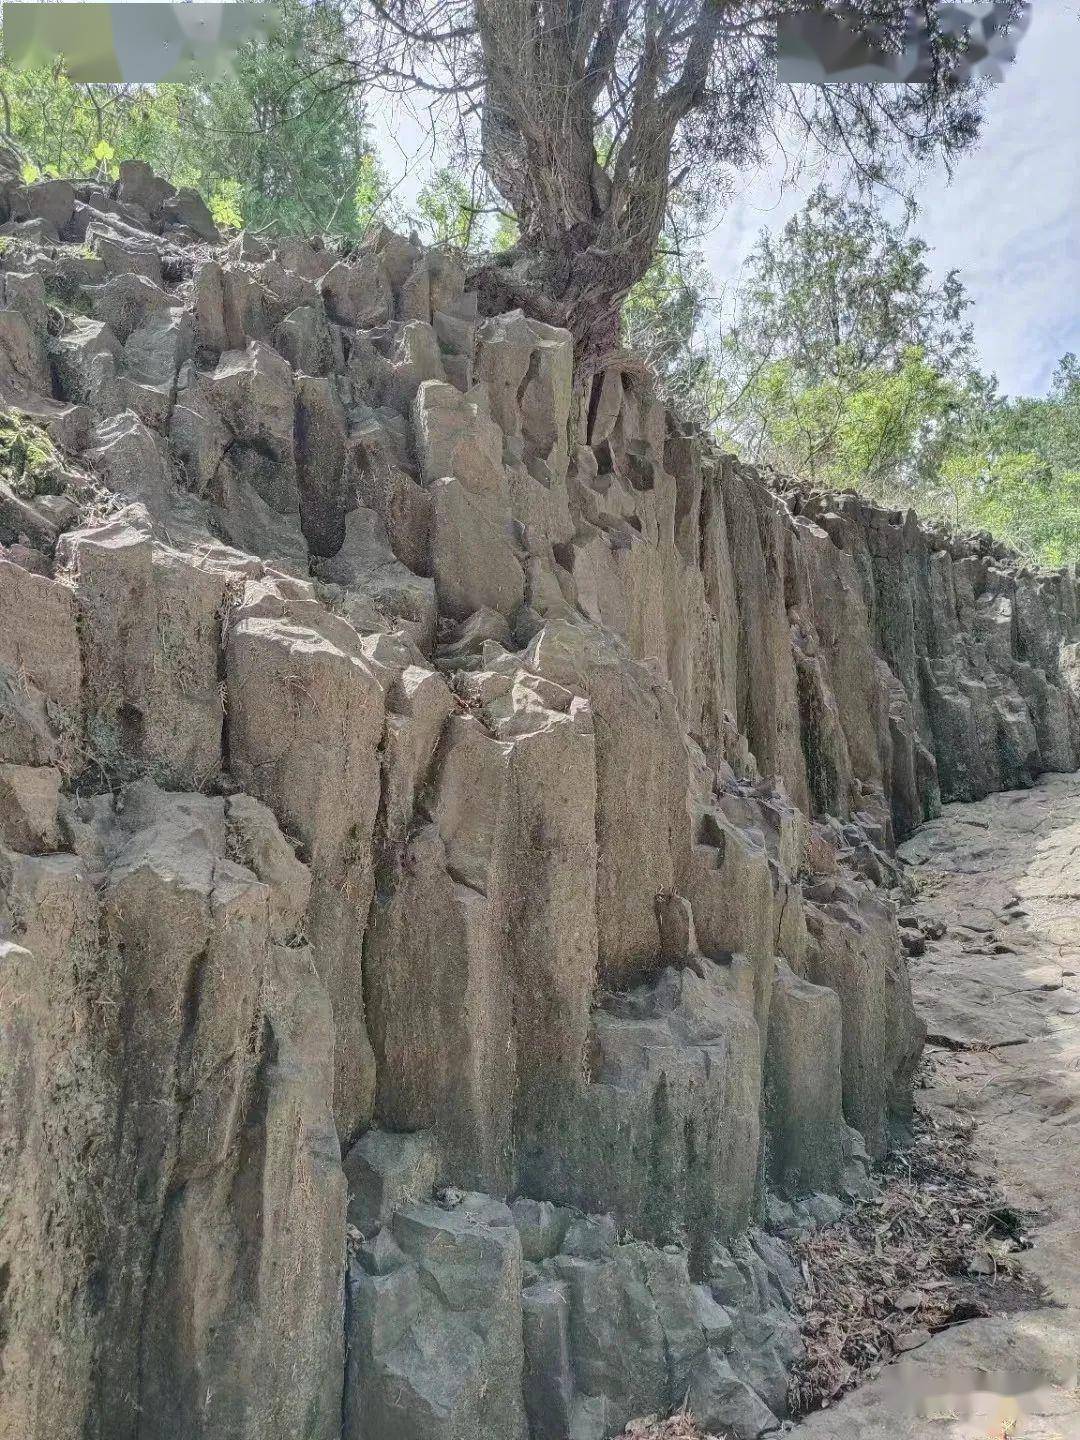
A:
{"points": [[1009, 219]]}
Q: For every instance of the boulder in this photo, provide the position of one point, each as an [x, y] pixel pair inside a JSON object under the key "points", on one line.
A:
{"points": [[385, 1173], [29, 796], [187, 208], [122, 253], [138, 185], [719, 1401], [434, 1346], [357, 292], [125, 302]]}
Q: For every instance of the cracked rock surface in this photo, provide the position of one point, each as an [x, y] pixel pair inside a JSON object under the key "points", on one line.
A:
{"points": [[447, 818]]}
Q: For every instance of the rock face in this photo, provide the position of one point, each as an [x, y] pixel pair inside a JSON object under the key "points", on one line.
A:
{"points": [[446, 820]]}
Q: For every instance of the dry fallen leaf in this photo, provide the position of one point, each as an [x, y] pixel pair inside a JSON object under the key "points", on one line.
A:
{"points": [[936, 1222]]}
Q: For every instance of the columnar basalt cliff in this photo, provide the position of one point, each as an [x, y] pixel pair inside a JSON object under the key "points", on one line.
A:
{"points": [[446, 821]]}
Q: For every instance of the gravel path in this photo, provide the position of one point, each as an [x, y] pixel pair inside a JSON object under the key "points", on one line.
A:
{"points": [[1000, 993]]}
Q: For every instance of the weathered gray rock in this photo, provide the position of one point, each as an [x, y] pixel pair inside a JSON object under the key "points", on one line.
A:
{"points": [[457, 438], [357, 292], [764, 1347], [75, 352], [122, 253], [228, 1120], [41, 669], [528, 369], [157, 348], [614, 1335], [386, 1172], [150, 628], [666, 1133], [187, 208], [435, 1347], [254, 840], [366, 564], [126, 458], [291, 669], [541, 1226], [472, 561], [641, 835], [25, 293], [854, 951], [50, 200], [721, 1402], [548, 1382], [125, 302], [29, 796], [306, 341], [808, 1143], [239, 418], [319, 435], [138, 185], [465, 893]]}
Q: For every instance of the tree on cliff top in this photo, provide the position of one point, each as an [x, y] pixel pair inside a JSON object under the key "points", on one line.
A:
{"points": [[589, 115], [844, 363]]}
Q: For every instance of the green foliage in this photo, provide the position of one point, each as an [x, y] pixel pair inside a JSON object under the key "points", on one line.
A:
{"points": [[664, 321], [451, 213], [294, 150], [79, 129], [843, 289], [100, 161], [28, 460], [1015, 470], [866, 428], [507, 233], [846, 366], [369, 196], [271, 146], [447, 212], [226, 205]]}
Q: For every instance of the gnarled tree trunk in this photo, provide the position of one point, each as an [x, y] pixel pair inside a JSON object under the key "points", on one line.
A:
{"points": [[589, 230]]}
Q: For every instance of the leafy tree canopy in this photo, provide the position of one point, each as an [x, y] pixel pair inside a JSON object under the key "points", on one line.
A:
{"points": [[842, 289], [1015, 470], [270, 146], [846, 365]]}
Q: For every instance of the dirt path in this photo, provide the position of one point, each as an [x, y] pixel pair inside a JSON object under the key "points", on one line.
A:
{"points": [[1001, 997]]}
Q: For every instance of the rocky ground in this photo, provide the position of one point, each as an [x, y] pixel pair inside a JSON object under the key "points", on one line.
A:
{"points": [[1000, 992]]}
